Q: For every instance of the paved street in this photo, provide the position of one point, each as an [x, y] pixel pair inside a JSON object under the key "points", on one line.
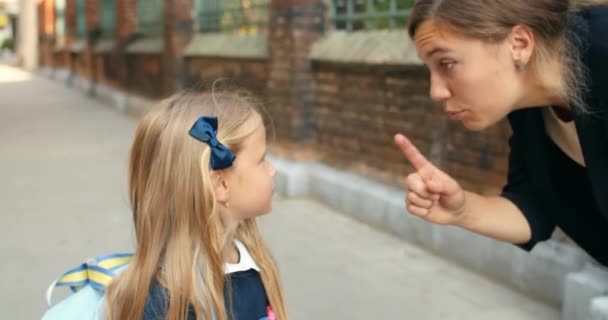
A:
{"points": [[63, 199]]}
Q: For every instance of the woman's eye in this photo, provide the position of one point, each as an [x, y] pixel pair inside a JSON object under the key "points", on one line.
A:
{"points": [[447, 65]]}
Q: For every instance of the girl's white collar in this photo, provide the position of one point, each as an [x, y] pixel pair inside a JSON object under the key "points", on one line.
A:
{"points": [[245, 263]]}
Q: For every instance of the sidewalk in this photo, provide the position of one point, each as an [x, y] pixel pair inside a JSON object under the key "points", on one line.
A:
{"points": [[63, 199]]}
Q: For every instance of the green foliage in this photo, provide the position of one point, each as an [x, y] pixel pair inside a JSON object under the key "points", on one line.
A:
{"points": [[371, 14], [7, 44]]}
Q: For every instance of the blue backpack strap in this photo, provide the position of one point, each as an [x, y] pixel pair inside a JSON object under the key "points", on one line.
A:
{"points": [[97, 273]]}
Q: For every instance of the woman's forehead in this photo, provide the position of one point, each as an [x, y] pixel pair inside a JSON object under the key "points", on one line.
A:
{"points": [[432, 37]]}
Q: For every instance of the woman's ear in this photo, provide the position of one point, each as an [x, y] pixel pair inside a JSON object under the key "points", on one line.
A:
{"points": [[220, 186], [522, 44]]}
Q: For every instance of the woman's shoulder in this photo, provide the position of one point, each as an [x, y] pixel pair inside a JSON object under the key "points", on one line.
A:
{"points": [[593, 43], [597, 18]]}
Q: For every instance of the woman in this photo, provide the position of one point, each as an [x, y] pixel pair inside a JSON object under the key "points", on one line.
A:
{"points": [[541, 64]]}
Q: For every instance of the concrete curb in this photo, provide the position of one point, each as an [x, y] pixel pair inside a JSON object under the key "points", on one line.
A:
{"points": [[599, 308], [582, 294], [130, 104], [541, 274]]}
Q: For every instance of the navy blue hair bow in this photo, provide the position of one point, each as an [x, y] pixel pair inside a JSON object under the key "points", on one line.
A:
{"points": [[205, 130]]}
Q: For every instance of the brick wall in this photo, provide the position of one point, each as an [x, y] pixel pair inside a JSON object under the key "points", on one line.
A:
{"points": [[178, 33], [80, 64], [61, 59], [105, 69], [144, 75], [294, 27], [46, 24], [360, 108], [126, 18], [248, 74], [70, 20], [343, 114], [93, 12]]}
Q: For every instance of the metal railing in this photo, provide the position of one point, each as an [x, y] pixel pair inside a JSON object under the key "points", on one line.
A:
{"points": [[242, 17], [354, 15]]}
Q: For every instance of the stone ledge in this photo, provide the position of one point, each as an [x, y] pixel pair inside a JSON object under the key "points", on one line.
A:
{"points": [[541, 273], [127, 103], [581, 290], [104, 46], [78, 45], [228, 46], [147, 45], [381, 47], [599, 308], [60, 45]]}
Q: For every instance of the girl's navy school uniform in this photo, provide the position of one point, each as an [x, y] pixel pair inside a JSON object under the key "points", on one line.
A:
{"points": [[248, 296]]}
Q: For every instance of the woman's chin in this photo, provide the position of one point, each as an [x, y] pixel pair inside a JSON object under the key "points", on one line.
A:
{"points": [[475, 124]]}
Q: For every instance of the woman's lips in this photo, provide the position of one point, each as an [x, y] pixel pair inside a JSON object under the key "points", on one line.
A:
{"points": [[456, 115]]}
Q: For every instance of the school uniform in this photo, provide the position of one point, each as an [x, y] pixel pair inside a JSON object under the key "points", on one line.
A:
{"points": [[247, 293]]}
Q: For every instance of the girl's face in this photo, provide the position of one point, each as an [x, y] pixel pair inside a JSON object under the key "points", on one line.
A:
{"points": [[477, 82], [250, 179]]}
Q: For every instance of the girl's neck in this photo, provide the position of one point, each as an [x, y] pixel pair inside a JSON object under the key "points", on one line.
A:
{"points": [[233, 254]]}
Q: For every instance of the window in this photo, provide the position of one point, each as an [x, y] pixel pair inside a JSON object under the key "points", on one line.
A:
{"points": [[150, 15], [60, 20], [352, 15], [81, 19], [232, 16], [108, 16]]}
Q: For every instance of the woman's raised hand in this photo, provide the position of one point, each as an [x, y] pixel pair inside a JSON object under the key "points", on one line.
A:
{"points": [[431, 194]]}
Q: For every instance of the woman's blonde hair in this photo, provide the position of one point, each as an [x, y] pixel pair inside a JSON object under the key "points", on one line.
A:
{"points": [[182, 239], [492, 21]]}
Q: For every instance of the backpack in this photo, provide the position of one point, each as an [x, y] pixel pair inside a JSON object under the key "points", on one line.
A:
{"points": [[88, 283]]}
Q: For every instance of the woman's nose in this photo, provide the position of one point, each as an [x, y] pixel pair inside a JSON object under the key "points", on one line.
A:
{"points": [[439, 89]]}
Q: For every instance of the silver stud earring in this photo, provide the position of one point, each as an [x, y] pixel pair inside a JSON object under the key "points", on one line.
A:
{"points": [[521, 66]]}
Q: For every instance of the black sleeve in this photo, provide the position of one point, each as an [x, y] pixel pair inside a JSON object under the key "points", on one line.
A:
{"points": [[520, 190]]}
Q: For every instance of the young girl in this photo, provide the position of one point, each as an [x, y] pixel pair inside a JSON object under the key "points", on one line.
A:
{"points": [[198, 179]]}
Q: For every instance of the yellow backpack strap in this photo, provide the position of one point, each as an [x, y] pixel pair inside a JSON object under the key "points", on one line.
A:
{"points": [[97, 273]]}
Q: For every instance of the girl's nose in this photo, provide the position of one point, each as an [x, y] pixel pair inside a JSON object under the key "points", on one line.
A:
{"points": [[271, 169]]}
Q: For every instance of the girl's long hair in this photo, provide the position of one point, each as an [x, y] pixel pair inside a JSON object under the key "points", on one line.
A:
{"points": [[182, 239]]}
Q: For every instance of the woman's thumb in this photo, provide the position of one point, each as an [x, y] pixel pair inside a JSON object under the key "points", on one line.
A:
{"points": [[433, 186]]}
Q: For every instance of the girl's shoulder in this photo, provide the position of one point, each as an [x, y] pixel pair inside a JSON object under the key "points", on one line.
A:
{"points": [[157, 304]]}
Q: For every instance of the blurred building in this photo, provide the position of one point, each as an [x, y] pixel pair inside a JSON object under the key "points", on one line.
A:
{"points": [[9, 10], [339, 78]]}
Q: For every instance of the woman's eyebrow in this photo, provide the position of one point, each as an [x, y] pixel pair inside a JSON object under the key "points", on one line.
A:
{"points": [[436, 50]]}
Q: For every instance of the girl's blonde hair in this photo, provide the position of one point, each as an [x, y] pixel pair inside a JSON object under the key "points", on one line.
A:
{"points": [[182, 240]]}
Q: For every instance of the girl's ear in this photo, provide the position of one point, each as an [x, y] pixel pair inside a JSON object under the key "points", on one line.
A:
{"points": [[220, 185]]}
